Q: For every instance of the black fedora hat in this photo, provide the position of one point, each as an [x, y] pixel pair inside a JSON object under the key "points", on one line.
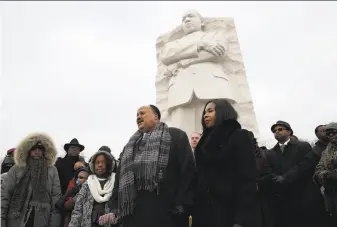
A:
{"points": [[284, 124], [73, 142]]}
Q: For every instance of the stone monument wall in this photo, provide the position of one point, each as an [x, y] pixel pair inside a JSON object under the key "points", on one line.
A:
{"points": [[233, 67]]}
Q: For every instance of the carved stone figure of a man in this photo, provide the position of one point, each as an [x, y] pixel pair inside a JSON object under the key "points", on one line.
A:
{"points": [[195, 65]]}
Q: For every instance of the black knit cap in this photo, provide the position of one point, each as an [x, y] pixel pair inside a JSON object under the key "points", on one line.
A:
{"points": [[105, 148], [80, 169]]}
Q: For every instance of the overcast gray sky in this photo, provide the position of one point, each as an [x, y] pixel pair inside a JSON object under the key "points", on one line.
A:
{"points": [[81, 69]]}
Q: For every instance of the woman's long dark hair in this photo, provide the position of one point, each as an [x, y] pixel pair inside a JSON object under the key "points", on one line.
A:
{"points": [[223, 111]]}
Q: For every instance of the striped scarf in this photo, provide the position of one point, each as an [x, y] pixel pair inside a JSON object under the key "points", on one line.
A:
{"points": [[37, 176], [140, 167]]}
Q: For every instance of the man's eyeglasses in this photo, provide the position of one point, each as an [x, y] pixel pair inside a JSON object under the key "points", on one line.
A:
{"points": [[278, 130]]}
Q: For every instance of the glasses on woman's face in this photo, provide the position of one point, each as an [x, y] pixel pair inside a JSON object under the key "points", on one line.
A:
{"points": [[82, 177], [331, 133]]}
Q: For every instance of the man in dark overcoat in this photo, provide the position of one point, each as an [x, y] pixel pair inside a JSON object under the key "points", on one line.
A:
{"points": [[154, 180], [293, 192]]}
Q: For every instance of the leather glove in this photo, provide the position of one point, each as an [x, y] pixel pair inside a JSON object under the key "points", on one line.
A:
{"points": [[74, 190], [71, 193], [267, 178], [237, 225], [177, 210], [60, 204], [279, 179], [331, 176], [110, 219]]}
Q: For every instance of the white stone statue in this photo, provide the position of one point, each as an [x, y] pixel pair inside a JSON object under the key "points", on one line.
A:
{"points": [[199, 61]]}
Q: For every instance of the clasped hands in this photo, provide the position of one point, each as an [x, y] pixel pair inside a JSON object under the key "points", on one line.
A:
{"points": [[215, 49], [177, 210], [110, 219], [331, 176], [279, 179]]}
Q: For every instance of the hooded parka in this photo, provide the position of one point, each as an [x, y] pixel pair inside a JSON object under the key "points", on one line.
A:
{"points": [[45, 215]]}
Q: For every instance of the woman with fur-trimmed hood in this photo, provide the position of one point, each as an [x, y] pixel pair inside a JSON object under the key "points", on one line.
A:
{"points": [[32, 186], [92, 200]]}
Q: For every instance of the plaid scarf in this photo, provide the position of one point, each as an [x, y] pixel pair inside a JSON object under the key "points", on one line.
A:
{"points": [[139, 168], [37, 175]]}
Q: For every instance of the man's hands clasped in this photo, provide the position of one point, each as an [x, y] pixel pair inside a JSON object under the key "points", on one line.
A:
{"points": [[216, 50]]}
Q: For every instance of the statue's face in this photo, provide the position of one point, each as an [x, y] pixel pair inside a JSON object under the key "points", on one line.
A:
{"points": [[191, 22]]}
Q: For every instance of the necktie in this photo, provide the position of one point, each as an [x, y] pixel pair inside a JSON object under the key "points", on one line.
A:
{"points": [[282, 147]]}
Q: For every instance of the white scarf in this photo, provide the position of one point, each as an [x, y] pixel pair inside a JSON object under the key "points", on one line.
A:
{"points": [[101, 195]]}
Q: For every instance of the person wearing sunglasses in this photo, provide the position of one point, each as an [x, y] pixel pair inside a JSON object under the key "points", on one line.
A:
{"points": [[326, 171], [291, 185]]}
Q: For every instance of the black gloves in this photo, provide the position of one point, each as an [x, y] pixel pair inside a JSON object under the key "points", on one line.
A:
{"points": [[331, 176], [60, 204], [75, 190], [71, 193], [279, 179], [177, 210], [330, 181]]}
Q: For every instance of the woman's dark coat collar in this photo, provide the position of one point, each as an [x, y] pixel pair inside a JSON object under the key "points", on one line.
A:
{"points": [[212, 141]]}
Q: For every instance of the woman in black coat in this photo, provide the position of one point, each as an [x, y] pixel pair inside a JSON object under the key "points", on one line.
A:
{"points": [[226, 171]]}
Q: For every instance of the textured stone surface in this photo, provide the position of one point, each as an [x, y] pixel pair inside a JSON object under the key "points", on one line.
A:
{"points": [[232, 84]]}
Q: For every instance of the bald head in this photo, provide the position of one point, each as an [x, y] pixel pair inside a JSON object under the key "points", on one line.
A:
{"points": [[147, 118]]}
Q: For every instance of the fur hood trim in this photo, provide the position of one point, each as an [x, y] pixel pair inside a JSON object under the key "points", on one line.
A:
{"points": [[111, 161], [22, 150]]}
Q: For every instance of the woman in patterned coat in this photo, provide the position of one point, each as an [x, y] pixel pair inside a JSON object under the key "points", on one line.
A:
{"points": [[91, 202], [326, 171]]}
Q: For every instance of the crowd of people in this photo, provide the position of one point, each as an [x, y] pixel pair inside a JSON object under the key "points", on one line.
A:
{"points": [[219, 177]]}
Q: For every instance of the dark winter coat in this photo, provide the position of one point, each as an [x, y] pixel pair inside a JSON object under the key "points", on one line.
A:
{"points": [[319, 147], [48, 216], [263, 169], [327, 220], [7, 163], [151, 210], [65, 168], [297, 201], [226, 174]]}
